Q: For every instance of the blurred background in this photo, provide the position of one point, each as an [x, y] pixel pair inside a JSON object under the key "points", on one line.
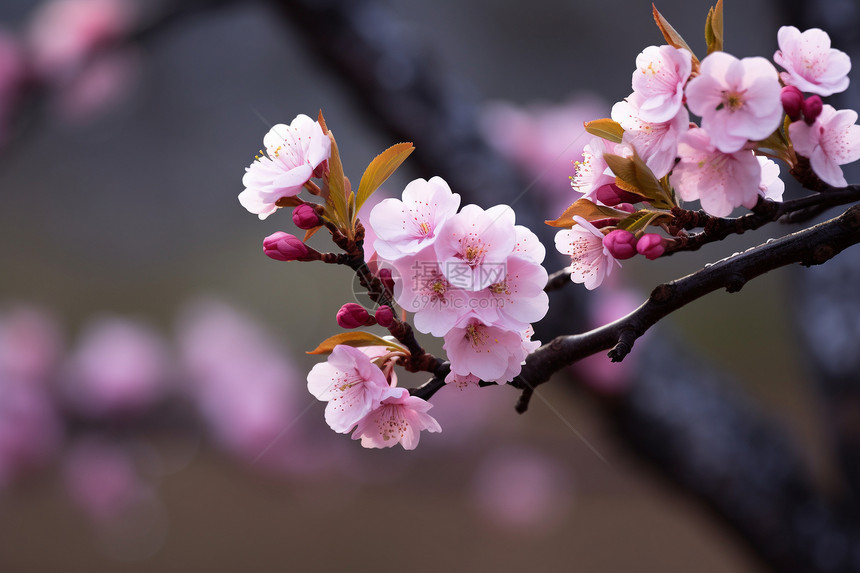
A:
{"points": [[153, 410]]}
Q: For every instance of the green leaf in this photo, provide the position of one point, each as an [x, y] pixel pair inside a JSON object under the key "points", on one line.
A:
{"points": [[380, 169], [355, 339], [672, 37], [588, 211], [643, 218], [633, 175], [337, 197], [605, 128], [714, 28]]}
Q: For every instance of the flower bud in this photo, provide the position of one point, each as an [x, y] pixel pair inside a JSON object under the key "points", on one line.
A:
{"points": [[353, 315], [387, 280], [620, 244], [812, 109], [305, 217], [611, 195], [792, 102], [651, 246], [384, 316], [285, 247]]}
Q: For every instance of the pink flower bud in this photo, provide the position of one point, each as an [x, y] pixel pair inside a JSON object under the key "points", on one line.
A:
{"points": [[792, 102], [651, 246], [387, 280], [285, 247], [353, 315], [625, 207], [384, 316], [611, 195], [812, 109], [305, 217], [621, 244]]}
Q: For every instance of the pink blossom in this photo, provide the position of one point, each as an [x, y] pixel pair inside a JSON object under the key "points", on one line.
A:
{"points": [[422, 288], [30, 429], [102, 479], [106, 81], [528, 245], [240, 380], [542, 140], [30, 345], [398, 419], [656, 143], [292, 152], [490, 352], [462, 382], [810, 63], [738, 100], [593, 172], [792, 102], [63, 34], [474, 244], [721, 181], [353, 315], [351, 384], [305, 217], [515, 301], [771, 186], [832, 140], [12, 75], [120, 366], [405, 227], [661, 72], [384, 316], [591, 261]]}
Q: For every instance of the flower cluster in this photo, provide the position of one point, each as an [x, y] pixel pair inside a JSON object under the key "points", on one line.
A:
{"points": [[649, 151], [472, 277], [360, 388]]}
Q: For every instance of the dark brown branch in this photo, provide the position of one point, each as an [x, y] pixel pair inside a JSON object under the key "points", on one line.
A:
{"points": [[808, 247]]}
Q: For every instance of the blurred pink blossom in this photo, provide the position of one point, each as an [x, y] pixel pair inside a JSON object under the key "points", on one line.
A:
{"points": [[30, 345], [120, 366], [108, 79], [64, 34], [29, 428], [102, 478], [523, 489], [543, 140], [241, 382], [12, 75]]}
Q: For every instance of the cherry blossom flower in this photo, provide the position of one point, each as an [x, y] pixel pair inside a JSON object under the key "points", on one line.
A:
{"points": [[771, 186], [121, 366], [528, 245], [591, 261], [592, 172], [738, 100], [721, 181], [462, 382], [810, 63], [292, 152], [405, 227], [399, 419], [473, 245], [489, 351], [351, 384], [661, 72], [832, 140], [421, 287], [656, 143], [515, 301]]}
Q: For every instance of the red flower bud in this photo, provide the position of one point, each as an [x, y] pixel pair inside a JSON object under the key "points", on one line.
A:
{"points": [[305, 217], [620, 244], [353, 315], [285, 247], [792, 102], [812, 109], [384, 316], [387, 280], [651, 246], [611, 195]]}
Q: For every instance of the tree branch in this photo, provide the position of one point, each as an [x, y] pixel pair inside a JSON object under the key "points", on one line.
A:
{"points": [[811, 246]]}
